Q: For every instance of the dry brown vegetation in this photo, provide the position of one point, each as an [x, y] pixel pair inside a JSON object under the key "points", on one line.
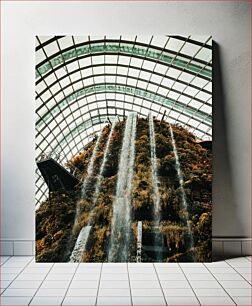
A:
{"points": [[55, 229]]}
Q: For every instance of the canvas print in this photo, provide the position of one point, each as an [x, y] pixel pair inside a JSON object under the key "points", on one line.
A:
{"points": [[123, 148]]}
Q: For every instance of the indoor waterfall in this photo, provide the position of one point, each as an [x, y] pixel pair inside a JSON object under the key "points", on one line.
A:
{"points": [[155, 183], [181, 185], [100, 176], [84, 233], [121, 221], [80, 244]]}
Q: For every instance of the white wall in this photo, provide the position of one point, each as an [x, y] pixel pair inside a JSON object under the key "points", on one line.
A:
{"points": [[228, 22]]}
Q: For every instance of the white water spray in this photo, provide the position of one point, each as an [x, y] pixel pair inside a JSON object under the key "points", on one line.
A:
{"points": [[80, 244], [100, 176], [121, 221], [155, 182], [181, 185]]}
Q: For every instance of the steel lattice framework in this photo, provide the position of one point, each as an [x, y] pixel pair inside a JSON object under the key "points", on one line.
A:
{"points": [[82, 82]]}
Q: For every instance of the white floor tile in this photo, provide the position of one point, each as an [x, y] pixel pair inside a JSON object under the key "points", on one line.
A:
{"points": [[21, 258], [243, 270], [2, 290], [247, 277], [201, 276], [196, 270], [235, 284], [51, 292], [5, 283], [229, 276], [220, 300], [55, 284], [114, 284], [29, 276], [19, 292], [174, 284], [191, 264], [112, 277], [210, 292], [178, 292], [63, 270], [217, 264], [172, 276], [237, 259], [32, 270], [14, 264], [243, 300], [82, 292], [144, 270], [88, 269], [140, 264], [103, 300], [3, 259], [59, 277], [144, 300], [220, 270], [9, 270], [47, 300], [168, 270], [116, 269], [84, 284], [189, 300], [204, 284], [144, 284], [8, 276], [146, 292], [39, 265], [239, 291], [25, 284], [80, 300], [165, 264], [15, 300], [114, 292], [238, 264], [86, 277]]}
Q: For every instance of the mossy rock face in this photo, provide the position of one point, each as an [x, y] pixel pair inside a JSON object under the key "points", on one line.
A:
{"points": [[57, 226]]}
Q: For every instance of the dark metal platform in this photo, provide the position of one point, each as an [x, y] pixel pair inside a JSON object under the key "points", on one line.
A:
{"points": [[56, 177]]}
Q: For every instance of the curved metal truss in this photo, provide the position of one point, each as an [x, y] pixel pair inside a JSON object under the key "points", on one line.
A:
{"points": [[82, 82]]}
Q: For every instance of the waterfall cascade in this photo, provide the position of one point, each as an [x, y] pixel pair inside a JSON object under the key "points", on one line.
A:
{"points": [[121, 221], [155, 182], [100, 176], [84, 233], [80, 244], [181, 185]]}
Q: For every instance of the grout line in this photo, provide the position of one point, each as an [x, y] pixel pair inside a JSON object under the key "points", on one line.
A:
{"points": [[189, 284], [220, 284], [9, 257], [41, 282], [160, 284], [69, 284], [239, 273], [98, 288], [16, 275], [129, 284]]}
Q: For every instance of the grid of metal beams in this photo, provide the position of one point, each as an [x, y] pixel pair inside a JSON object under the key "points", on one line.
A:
{"points": [[81, 81]]}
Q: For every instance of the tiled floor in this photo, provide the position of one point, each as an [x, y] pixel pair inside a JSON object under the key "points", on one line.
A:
{"points": [[24, 282]]}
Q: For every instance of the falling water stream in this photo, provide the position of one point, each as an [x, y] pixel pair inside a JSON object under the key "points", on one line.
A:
{"points": [[121, 221], [181, 185], [155, 183], [84, 233]]}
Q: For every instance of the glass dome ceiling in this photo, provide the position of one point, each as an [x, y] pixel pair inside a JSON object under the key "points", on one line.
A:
{"points": [[83, 82]]}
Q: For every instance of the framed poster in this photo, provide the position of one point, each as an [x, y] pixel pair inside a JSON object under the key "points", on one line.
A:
{"points": [[124, 148]]}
